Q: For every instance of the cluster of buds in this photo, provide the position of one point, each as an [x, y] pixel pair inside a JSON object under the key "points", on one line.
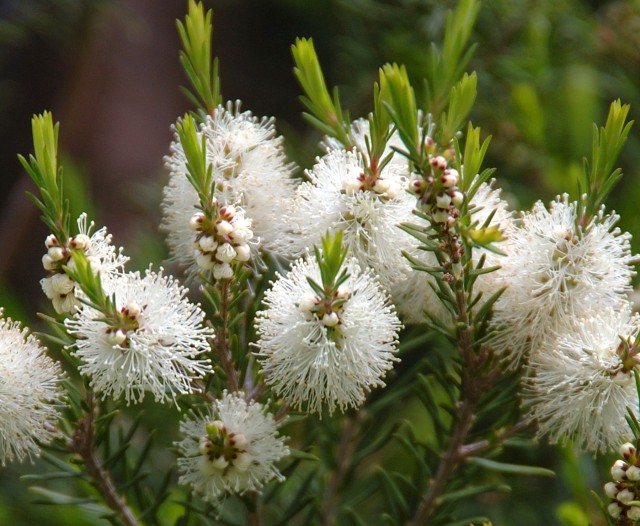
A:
{"points": [[327, 310], [624, 490], [437, 192], [127, 320], [221, 239], [222, 450], [359, 180], [58, 286]]}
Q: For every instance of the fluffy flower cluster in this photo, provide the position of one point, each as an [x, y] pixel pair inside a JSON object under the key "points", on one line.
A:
{"points": [[583, 381], [232, 448], [333, 358], [249, 170], [338, 198], [103, 257], [557, 271], [29, 391], [565, 313], [155, 346]]}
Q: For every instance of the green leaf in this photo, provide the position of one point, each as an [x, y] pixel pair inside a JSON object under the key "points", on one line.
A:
{"points": [[202, 72], [326, 112], [517, 469]]}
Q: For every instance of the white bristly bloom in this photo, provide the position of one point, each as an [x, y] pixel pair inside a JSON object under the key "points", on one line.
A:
{"points": [[581, 386], [334, 199], [556, 271], [415, 296], [157, 347], [333, 360], [249, 169], [29, 393], [232, 448], [103, 257]]}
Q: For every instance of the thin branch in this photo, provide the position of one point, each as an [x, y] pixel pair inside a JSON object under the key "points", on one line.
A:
{"points": [[83, 445]]}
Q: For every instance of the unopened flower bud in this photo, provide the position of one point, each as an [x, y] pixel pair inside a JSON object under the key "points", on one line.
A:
{"points": [[627, 450], [633, 473], [633, 513], [80, 242], [308, 302], [243, 252], [56, 253], [611, 490], [225, 253], [443, 200], [207, 244], [196, 221], [450, 178], [132, 310], [222, 271], [204, 261], [220, 463], [625, 496], [228, 212], [457, 198], [417, 186], [439, 163], [241, 234], [330, 319], [242, 461], [117, 337], [351, 185], [614, 509], [51, 241], [440, 216], [48, 263], [223, 227], [618, 470], [381, 186]]}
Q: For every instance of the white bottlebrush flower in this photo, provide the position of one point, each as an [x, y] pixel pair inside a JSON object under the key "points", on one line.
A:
{"points": [[29, 393], [103, 257], [249, 169], [581, 383], [415, 296], [232, 448], [312, 361], [332, 200], [556, 269], [158, 347]]}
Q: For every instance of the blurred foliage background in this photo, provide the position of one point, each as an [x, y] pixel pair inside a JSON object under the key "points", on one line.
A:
{"points": [[109, 71]]}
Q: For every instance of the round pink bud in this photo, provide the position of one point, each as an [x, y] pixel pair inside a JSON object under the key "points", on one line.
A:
{"points": [[132, 310], [438, 162], [223, 227], [196, 221], [416, 186], [450, 178]]}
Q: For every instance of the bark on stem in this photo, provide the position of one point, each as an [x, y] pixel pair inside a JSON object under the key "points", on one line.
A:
{"points": [[82, 444]]}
